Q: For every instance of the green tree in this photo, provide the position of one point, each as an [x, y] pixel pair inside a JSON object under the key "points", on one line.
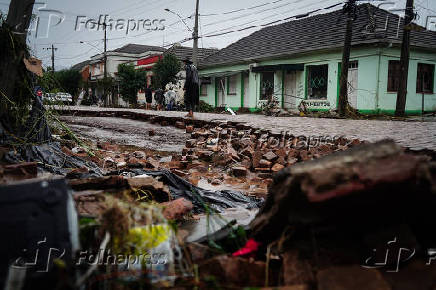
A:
{"points": [[66, 81], [165, 71], [131, 81], [69, 80]]}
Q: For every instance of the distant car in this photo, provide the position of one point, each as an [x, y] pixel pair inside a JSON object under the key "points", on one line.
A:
{"points": [[56, 98]]}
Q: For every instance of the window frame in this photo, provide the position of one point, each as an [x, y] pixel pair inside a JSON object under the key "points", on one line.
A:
{"points": [[203, 86], [419, 83], [308, 78], [232, 80], [398, 71], [261, 93]]}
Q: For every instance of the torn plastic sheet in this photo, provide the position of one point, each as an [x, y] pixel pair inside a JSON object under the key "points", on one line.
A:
{"points": [[216, 200], [51, 158], [48, 154]]}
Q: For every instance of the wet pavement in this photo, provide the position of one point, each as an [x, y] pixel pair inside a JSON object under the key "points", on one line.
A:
{"points": [[413, 134], [128, 132]]}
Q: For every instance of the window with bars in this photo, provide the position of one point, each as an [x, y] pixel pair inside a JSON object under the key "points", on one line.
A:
{"points": [[317, 81], [425, 78], [394, 75], [266, 85]]}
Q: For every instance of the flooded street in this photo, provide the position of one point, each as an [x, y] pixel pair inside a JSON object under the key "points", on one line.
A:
{"points": [[128, 132]]}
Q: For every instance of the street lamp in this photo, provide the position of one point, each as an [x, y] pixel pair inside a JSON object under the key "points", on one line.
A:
{"points": [[194, 33], [178, 15], [95, 47]]}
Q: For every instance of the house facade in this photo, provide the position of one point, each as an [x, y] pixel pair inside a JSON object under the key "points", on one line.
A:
{"points": [[181, 53], [301, 61], [125, 54]]}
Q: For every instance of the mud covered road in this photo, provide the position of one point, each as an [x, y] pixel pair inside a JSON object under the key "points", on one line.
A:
{"points": [[128, 132]]}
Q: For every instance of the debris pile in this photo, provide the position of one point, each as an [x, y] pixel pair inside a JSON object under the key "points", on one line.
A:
{"points": [[350, 220], [245, 150]]}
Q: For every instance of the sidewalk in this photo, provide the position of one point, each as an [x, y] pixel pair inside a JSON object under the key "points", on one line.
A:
{"points": [[415, 135]]}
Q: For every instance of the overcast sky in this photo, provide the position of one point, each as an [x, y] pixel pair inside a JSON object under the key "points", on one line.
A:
{"points": [[217, 17]]}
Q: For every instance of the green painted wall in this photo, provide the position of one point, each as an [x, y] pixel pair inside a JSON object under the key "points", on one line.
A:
{"points": [[372, 95]]}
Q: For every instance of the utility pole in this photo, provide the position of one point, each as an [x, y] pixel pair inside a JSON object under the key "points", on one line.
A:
{"points": [[400, 109], [52, 48], [195, 37], [349, 7], [106, 101]]}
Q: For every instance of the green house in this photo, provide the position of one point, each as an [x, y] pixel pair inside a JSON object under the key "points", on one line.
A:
{"points": [[301, 60]]}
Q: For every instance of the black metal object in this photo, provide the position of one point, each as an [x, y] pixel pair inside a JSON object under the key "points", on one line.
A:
{"points": [[38, 224]]}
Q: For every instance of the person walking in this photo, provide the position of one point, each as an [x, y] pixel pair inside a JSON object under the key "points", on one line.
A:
{"points": [[159, 98], [191, 88], [148, 97], [170, 98]]}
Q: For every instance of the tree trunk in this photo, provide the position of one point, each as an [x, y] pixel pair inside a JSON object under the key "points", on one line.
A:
{"points": [[13, 43], [343, 91], [400, 108]]}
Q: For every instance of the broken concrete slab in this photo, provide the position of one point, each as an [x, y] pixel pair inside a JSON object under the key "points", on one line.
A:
{"points": [[177, 209]]}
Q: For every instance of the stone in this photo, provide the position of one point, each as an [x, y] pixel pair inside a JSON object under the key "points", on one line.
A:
{"points": [[246, 162], [106, 146], [292, 161], [277, 167], [176, 209], [179, 172], [158, 191], [180, 125], [239, 171], [152, 163], [257, 156], [304, 155], [77, 150], [99, 183], [216, 181], [249, 152], [166, 159], [90, 203], [121, 164], [293, 153], [151, 132], [139, 154], [135, 162], [205, 155], [189, 129], [265, 163], [191, 143], [351, 277], [108, 161], [20, 171]]}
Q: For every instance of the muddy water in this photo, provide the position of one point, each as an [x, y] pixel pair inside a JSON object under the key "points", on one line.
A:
{"points": [[128, 132]]}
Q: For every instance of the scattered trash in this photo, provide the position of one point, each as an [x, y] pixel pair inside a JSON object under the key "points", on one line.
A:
{"points": [[216, 200]]}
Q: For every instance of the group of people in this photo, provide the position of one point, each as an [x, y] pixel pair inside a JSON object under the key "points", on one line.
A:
{"points": [[167, 99], [164, 99]]}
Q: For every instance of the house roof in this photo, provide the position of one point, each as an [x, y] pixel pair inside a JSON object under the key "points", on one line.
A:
{"points": [[138, 48], [318, 32], [183, 52], [79, 66]]}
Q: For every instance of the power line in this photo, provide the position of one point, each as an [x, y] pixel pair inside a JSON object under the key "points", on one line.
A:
{"points": [[298, 16], [241, 9]]}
